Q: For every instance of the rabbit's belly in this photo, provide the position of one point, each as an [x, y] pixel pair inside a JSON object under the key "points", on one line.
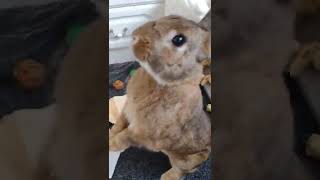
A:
{"points": [[172, 129], [161, 119]]}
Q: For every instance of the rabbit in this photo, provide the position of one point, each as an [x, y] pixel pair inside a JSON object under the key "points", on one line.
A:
{"points": [[15, 162], [163, 111], [77, 147], [254, 126]]}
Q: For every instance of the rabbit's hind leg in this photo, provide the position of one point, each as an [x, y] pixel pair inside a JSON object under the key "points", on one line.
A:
{"points": [[120, 125], [183, 164], [120, 141]]}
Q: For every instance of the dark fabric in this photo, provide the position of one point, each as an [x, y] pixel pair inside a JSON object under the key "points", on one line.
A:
{"points": [[36, 32], [304, 91], [309, 82], [119, 72], [139, 164], [305, 121], [307, 27]]}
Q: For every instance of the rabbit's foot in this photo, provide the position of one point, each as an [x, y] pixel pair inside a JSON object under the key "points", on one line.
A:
{"points": [[120, 141], [183, 164], [172, 174], [119, 126], [113, 132]]}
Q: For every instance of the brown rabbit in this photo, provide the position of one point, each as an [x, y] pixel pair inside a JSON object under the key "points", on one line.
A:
{"points": [[254, 129], [163, 111], [77, 147]]}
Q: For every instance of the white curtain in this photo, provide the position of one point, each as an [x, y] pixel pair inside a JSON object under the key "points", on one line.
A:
{"points": [[191, 9]]}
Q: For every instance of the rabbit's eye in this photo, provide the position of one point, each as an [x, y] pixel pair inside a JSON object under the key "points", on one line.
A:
{"points": [[179, 40]]}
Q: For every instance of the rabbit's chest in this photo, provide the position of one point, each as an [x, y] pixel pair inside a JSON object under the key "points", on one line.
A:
{"points": [[163, 109]]}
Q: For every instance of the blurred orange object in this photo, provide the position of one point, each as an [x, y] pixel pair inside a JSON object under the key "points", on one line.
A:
{"points": [[30, 74], [118, 85]]}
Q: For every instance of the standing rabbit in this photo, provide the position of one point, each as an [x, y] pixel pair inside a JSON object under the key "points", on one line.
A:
{"points": [[164, 110]]}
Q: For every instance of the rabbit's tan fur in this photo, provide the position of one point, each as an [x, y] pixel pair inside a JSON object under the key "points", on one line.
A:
{"points": [[77, 147], [254, 126], [163, 111], [305, 56], [15, 163]]}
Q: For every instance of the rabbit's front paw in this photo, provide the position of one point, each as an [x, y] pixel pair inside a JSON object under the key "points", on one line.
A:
{"points": [[119, 141], [172, 174], [112, 145], [111, 134]]}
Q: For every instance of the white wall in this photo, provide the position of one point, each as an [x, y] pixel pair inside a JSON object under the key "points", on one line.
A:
{"points": [[191, 9]]}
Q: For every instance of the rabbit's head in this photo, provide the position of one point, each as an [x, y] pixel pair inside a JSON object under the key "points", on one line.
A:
{"points": [[171, 48]]}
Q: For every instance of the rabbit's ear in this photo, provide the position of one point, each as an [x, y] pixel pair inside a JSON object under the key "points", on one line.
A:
{"points": [[205, 51], [142, 49]]}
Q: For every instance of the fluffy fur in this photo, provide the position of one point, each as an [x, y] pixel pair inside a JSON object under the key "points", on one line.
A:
{"points": [[81, 94], [163, 111], [305, 56], [77, 147], [254, 124], [15, 163]]}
